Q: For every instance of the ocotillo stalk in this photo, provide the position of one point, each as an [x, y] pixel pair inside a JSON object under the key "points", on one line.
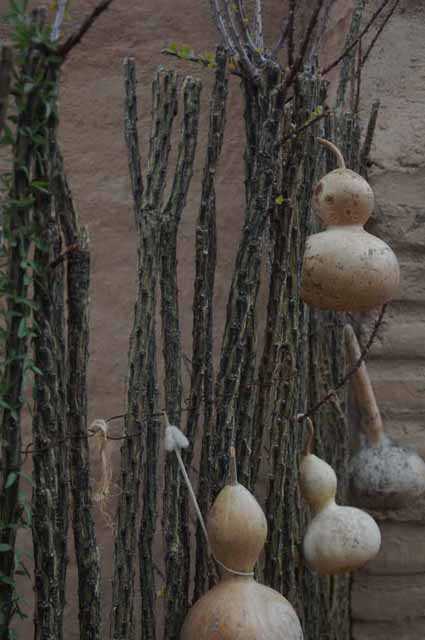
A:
{"points": [[371, 422]]}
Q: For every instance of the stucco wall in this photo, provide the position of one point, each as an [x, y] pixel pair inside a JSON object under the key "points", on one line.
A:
{"points": [[388, 598]]}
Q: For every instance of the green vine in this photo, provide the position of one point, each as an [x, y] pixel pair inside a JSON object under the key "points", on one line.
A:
{"points": [[23, 138]]}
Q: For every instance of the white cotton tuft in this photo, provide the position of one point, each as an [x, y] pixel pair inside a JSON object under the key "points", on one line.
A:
{"points": [[175, 439]]}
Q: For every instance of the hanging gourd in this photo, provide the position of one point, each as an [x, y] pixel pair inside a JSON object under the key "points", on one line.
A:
{"points": [[239, 608], [345, 268], [383, 475], [338, 538]]}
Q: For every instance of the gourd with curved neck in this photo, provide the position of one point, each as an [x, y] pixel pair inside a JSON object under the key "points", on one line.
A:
{"points": [[344, 267], [383, 474]]}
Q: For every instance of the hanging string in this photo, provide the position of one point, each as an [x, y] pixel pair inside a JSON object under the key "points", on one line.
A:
{"points": [[175, 440], [328, 397]]}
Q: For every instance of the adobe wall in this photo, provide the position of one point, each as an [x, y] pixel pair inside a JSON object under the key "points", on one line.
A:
{"points": [[388, 598]]}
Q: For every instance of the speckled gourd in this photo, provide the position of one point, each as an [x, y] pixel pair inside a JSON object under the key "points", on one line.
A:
{"points": [[338, 539], [239, 608], [383, 475], [345, 268]]}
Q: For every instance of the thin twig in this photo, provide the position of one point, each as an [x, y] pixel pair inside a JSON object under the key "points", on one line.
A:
{"points": [[76, 37], [291, 23], [6, 68], [304, 46], [378, 32], [307, 125], [358, 79], [351, 46], [331, 393], [58, 21], [365, 151], [258, 25]]}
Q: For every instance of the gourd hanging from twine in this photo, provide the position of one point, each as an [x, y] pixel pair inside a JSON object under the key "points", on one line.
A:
{"points": [[338, 539], [345, 268], [238, 608], [383, 475]]}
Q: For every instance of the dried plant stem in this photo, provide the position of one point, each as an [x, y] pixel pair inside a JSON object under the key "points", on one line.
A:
{"points": [[50, 497], [245, 282], [6, 67], [175, 516], [352, 42], [75, 38], [202, 375], [16, 345], [367, 144], [78, 285], [141, 386]]}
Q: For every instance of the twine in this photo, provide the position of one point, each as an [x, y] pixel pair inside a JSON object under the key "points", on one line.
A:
{"points": [[175, 440]]}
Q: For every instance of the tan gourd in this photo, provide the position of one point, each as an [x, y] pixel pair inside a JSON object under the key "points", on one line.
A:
{"points": [[383, 475], [239, 608], [338, 539], [345, 268]]}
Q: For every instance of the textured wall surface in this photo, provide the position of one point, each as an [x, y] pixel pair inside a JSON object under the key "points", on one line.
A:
{"points": [[389, 597]]}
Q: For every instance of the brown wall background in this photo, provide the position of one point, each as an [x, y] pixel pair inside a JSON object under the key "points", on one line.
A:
{"points": [[389, 597]]}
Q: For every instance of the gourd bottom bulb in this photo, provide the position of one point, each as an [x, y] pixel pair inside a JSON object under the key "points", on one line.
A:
{"points": [[241, 609], [387, 476], [340, 539]]}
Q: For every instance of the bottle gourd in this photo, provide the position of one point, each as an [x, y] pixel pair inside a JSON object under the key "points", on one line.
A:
{"points": [[338, 538], [383, 475], [239, 608], [345, 268]]}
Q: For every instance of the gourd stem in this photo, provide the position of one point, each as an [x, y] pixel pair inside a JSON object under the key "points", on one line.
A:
{"points": [[232, 477], [309, 443], [339, 157], [371, 421]]}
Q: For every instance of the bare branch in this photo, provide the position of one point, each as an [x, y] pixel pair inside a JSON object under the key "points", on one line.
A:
{"points": [[378, 32], [240, 46], [131, 135], [243, 22], [59, 18], [304, 46], [221, 26], [350, 47], [291, 21], [365, 151], [76, 37], [331, 393], [258, 25], [6, 64]]}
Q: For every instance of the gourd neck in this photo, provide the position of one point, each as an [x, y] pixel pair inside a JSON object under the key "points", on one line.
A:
{"points": [[370, 417], [322, 506], [347, 227]]}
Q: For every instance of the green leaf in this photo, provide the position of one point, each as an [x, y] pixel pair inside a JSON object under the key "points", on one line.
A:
{"points": [[279, 200], [4, 547], [7, 580], [11, 479], [185, 52], [22, 328]]}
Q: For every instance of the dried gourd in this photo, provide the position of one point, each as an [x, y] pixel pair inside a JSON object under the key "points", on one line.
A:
{"points": [[239, 608], [383, 475], [345, 268], [338, 539]]}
